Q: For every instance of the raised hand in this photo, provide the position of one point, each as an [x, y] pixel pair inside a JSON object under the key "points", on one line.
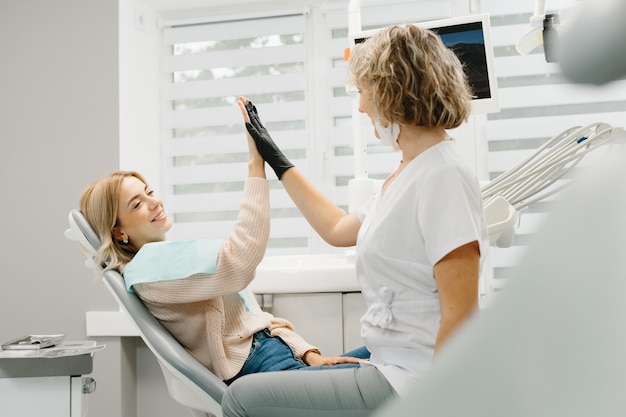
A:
{"points": [[264, 142], [256, 166]]}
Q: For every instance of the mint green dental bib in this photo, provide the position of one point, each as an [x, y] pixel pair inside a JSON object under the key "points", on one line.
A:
{"points": [[167, 261]]}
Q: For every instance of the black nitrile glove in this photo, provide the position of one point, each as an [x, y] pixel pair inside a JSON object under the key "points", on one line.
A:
{"points": [[265, 144]]}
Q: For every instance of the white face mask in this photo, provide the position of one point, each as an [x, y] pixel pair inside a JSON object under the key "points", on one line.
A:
{"points": [[388, 135]]}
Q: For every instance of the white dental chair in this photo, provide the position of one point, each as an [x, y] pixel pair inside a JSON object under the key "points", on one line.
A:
{"points": [[188, 381]]}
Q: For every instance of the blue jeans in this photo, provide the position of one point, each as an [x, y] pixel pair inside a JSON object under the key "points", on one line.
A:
{"points": [[271, 353]]}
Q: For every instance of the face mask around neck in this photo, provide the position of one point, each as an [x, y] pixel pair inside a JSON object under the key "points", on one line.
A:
{"points": [[388, 134]]}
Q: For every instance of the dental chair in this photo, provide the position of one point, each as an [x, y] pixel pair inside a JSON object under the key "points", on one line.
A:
{"points": [[188, 381]]}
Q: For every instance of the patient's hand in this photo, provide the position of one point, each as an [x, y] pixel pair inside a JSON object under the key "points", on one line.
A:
{"points": [[315, 359], [257, 164]]}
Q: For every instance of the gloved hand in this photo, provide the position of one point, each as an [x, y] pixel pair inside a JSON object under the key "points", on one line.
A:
{"points": [[265, 144]]}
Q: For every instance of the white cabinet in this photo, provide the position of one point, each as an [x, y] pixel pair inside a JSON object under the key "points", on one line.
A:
{"points": [[318, 294], [52, 396], [327, 320], [36, 383], [353, 309]]}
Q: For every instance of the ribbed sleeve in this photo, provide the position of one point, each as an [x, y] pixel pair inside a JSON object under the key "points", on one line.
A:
{"points": [[205, 313], [239, 255]]}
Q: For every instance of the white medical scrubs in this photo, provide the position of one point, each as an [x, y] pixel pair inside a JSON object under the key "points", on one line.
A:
{"points": [[432, 207]]}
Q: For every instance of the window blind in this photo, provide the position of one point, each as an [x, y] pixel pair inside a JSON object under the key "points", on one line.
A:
{"points": [[290, 66], [293, 68], [207, 66]]}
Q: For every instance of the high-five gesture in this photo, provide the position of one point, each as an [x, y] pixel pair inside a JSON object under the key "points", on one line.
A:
{"points": [[264, 142]]}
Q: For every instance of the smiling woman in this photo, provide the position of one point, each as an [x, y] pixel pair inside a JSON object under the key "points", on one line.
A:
{"points": [[198, 288], [140, 214]]}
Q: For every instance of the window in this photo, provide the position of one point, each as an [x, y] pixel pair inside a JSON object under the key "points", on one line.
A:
{"points": [[291, 65], [208, 66]]}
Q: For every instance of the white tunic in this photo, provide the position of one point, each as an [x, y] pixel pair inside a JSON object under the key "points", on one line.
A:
{"points": [[432, 207]]}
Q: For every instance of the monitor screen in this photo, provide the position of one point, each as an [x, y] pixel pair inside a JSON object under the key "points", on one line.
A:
{"points": [[470, 38]]}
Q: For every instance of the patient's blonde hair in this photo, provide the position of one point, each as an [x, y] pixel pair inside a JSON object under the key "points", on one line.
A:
{"points": [[412, 78], [99, 203]]}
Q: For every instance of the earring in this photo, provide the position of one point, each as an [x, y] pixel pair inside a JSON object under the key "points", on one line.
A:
{"points": [[125, 241]]}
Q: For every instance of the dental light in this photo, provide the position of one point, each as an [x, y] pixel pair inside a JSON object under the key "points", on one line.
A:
{"points": [[546, 32], [534, 178]]}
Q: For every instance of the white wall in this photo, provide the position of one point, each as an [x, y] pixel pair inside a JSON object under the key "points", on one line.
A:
{"points": [[59, 118], [79, 83], [139, 83]]}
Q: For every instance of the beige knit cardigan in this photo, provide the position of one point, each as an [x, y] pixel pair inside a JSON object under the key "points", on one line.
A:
{"points": [[205, 313]]}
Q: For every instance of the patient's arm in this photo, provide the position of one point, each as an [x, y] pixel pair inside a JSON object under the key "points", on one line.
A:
{"points": [[239, 256]]}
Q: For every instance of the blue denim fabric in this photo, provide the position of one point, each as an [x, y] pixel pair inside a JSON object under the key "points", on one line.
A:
{"points": [[267, 354], [271, 353], [360, 352]]}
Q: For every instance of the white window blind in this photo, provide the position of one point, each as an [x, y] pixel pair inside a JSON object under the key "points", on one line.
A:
{"points": [[291, 67], [205, 151]]}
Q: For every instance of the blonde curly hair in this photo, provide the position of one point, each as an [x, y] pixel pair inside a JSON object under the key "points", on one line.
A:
{"points": [[412, 78]]}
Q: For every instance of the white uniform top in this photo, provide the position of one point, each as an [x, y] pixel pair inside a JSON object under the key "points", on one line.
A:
{"points": [[432, 207]]}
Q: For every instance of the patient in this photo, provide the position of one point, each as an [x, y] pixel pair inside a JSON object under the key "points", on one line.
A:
{"points": [[197, 289]]}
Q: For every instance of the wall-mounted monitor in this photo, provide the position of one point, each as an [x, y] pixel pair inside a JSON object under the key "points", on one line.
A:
{"points": [[470, 38]]}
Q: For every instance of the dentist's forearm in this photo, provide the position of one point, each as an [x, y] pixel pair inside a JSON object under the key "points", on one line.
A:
{"points": [[322, 214]]}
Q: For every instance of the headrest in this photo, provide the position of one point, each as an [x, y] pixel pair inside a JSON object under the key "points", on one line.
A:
{"points": [[81, 232]]}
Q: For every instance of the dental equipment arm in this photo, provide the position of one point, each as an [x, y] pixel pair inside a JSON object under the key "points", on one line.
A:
{"points": [[530, 181]]}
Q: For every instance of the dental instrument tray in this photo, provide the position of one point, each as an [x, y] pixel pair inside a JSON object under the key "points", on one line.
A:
{"points": [[34, 341]]}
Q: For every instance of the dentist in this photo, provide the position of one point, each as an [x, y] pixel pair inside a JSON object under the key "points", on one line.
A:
{"points": [[420, 241]]}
